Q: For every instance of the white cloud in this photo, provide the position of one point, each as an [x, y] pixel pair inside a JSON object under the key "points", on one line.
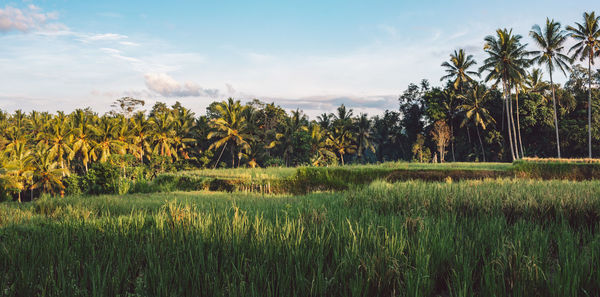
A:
{"points": [[106, 37], [26, 19], [166, 86]]}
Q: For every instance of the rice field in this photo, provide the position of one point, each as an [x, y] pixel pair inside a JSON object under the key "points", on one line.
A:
{"points": [[504, 237]]}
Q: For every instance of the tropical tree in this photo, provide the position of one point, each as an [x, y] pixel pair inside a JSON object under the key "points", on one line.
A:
{"points": [[21, 163], [107, 142], [476, 113], [507, 59], [587, 36], [363, 136], [48, 175], [342, 141], [140, 135], [83, 142], [551, 42], [457, 70], [59, 137], [230, 128], [319, 147]]}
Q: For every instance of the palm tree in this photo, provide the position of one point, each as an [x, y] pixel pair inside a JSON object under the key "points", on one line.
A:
{"points": [[47, 174], [535, 84], [59, 137], [21, 161], [476, 113], [83, 142], [319, 146], [230, 128], [342, 142], [507, 59], [107, 142], [364, 136], [295, 123], [587, 47], [163, 136], [140, 133], [551, 42], [458, 69], [518, 83]]}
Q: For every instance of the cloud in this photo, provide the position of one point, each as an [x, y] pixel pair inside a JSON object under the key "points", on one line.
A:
{"points": [[26, 19], [166, 86], [106, 37]]}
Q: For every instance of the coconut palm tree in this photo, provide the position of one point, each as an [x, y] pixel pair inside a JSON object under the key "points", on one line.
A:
{"points": [[476, 113], [535, 84], [319, 146], [457, 69], [83, 133], [587, 36], [342, 141], [59, 137], [363, 136], [107, 142], [163, 134], [295, 123], [140, 135], [551, 43], [507, 58], [21, 162], [230, 127], [47, 175]]}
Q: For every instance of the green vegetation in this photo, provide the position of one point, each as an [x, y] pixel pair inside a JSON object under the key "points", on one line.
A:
{"points": [[469, 238]]}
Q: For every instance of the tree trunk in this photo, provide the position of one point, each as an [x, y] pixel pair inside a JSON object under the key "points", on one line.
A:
{"points": [[452, 140], [510, 140], [481, 143], [518, 121], [590, 104], [512, 124], [555, 117], [219, 159], [342, 158], [19, 195]]}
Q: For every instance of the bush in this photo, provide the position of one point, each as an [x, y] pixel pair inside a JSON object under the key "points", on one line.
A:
{"points": [[72, 184], [571, 169]]}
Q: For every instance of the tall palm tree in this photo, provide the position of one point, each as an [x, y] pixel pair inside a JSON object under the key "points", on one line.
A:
{"points": [[83, 133], [59, 137], [507, 58], [230, 127], [295, 123], [551, 43], [20, 160], [342, 142], [107, 142], [48, 175], [476, 113], [163, 136], [518, 83], [140, 133], [319, 146], [457, 69], [363, 136], [587, 47]]}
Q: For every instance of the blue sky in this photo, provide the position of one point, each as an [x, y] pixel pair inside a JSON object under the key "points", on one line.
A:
{"points": [[313, 55]]}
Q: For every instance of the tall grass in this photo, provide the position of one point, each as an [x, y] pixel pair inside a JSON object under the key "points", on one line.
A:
{"points": [[469, 238]]}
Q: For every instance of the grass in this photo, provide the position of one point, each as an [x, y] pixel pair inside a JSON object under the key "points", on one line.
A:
{"points": [[468, 238]]}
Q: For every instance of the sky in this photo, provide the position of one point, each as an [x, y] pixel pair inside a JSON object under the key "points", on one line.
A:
{"points": [[312, 55]]}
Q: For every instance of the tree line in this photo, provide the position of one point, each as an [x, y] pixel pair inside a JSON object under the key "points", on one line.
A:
{"points": [[500, 110]]}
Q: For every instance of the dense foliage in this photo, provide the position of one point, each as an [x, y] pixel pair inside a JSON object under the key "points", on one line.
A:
{"points": [[512, 113]]}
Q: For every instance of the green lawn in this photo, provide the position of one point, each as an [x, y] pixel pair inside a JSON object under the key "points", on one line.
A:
{"points": [[484, 238]]}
